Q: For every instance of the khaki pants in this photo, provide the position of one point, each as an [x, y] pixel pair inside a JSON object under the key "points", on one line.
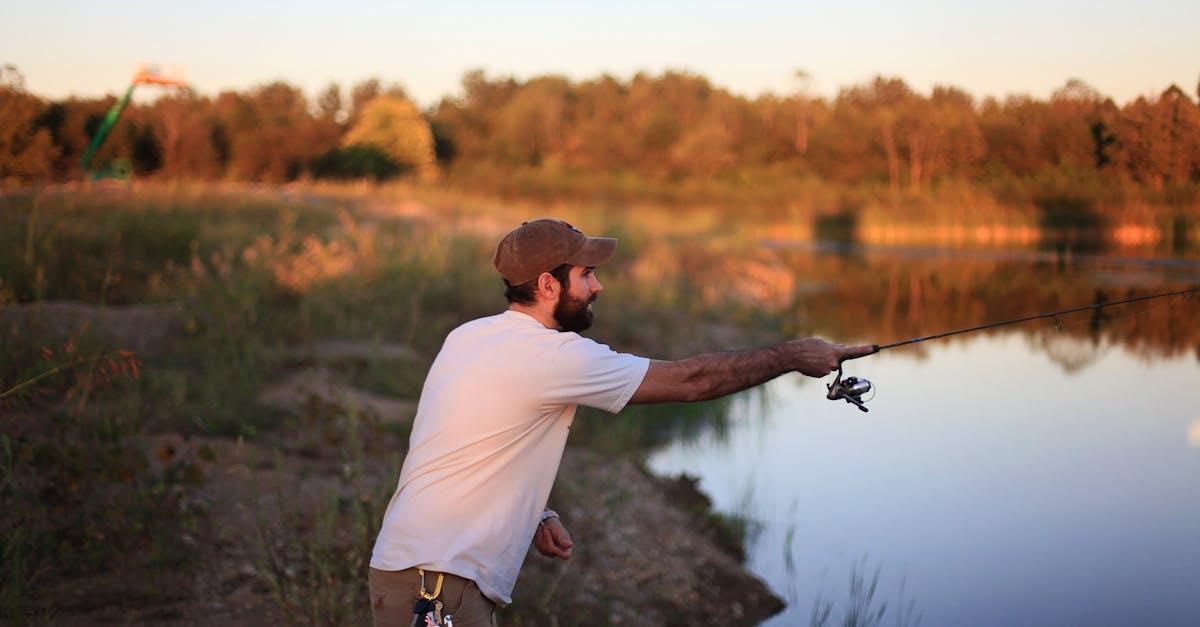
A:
{"points": [[393, 593]]}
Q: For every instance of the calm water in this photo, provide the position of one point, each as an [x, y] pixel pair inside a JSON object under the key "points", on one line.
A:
{"points": [[1019, 478]]}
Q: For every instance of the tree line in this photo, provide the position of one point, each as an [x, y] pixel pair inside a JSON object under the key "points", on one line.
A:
{"points": [[665, 128]]}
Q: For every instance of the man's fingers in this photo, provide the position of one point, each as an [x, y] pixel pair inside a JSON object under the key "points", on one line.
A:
{"points": [[552, 541], [559, 550], [562, 540], [542, 541]]}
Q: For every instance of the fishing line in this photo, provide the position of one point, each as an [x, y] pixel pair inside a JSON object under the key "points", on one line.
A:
{"points": [[1110, 319], [852, 389]]}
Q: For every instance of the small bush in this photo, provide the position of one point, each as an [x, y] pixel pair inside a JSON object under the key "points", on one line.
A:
{"points": [[358, 162]]}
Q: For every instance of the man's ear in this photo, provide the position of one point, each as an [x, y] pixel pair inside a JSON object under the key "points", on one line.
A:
{"points": [[548, 286]]}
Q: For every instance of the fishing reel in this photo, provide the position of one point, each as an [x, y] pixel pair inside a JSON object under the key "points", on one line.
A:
{"points": [[849, 389]]}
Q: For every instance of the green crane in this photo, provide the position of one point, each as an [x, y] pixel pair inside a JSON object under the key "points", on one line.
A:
{"points": [[120, 169]]}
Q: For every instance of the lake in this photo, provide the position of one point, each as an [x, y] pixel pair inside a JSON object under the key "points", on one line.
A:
{"points": [[1039, 475]]}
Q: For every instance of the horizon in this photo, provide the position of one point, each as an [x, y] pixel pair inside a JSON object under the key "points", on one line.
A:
{"points": [[144, 96], [1120, 50]]}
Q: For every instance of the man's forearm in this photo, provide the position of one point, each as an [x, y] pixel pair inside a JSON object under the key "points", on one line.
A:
{"points": [[713, 375]]}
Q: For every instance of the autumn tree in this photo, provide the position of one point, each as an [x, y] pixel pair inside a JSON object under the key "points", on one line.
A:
{"points": [[951, 143], [862, 138], [1159, 141], [662, 128], [803, 104], [1068, 139], [530, 128], [590, 143], [394, 126], [72, 123], [329, 104], [27, 151], [271, 134], [184, 127]]}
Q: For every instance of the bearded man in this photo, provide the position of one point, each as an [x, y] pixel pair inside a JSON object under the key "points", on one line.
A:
{"points": [[493, 420]]}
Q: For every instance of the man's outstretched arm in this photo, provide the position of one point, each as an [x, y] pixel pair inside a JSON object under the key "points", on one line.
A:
{"points": [[713, 375]]}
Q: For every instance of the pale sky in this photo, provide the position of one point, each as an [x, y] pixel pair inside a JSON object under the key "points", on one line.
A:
{"points": [[1124, 49]]}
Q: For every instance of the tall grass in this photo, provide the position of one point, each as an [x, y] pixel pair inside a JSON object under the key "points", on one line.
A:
{"points": [[83, 497], [314, 559], [862, 606]]}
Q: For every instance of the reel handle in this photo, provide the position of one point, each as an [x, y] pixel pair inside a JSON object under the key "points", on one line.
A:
{"points": [[843, 391], [833, 390]]}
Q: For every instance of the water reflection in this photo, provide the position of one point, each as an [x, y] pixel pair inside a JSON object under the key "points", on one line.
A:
{"points": [[1031, 475], [886, 295], [1003, 488], [647, 427]]}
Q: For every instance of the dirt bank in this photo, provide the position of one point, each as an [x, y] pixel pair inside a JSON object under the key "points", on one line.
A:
{"points": [[647, 551]]}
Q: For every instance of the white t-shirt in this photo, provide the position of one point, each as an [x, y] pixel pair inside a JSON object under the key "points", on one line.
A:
{"points": [[490, 430]]}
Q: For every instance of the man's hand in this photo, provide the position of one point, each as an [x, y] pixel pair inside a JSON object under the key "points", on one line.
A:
{"points": [[552, 539], [714, 375], [816, 357]]}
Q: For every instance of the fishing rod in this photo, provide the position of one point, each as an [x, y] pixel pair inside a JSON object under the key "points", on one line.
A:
{"points": [[852, 389]]}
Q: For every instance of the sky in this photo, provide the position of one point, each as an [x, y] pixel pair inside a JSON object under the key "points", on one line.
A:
{"points": [[1123, 49]]}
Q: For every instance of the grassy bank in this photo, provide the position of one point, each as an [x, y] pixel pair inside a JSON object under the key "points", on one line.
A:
{"points": [[141, 328], [1053, 200]]}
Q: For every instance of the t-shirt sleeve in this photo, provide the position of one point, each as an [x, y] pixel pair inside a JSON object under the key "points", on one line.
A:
{"points": [[584, 372]]}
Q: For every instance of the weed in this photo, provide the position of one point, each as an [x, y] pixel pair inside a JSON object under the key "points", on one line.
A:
{"points": [[862, 608], [314, 562], [86, 498]]}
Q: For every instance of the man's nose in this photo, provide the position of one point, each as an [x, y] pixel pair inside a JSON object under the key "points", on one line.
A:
{"points": [[597, 286]]}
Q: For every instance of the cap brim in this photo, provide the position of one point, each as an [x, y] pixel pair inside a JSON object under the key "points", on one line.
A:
{"points": [[595, 251]]}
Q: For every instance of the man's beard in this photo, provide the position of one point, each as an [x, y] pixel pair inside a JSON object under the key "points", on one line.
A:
{"points": [[572, 314]]}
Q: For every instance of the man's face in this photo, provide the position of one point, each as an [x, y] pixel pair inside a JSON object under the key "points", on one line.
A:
{"points": [[573, 311]]}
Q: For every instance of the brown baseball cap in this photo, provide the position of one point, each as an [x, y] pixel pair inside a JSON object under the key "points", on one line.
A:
{"points": [[544, 244]]}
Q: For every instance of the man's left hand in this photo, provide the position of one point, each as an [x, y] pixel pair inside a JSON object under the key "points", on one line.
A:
{"points": [[552, 539]]}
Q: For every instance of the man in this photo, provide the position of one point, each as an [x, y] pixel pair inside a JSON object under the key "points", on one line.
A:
{"points": [[493, 420]]}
